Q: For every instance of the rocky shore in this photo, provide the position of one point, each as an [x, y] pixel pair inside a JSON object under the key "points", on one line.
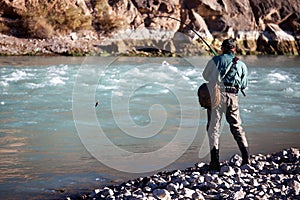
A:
{"points": [[271, 176], [69, 45]]}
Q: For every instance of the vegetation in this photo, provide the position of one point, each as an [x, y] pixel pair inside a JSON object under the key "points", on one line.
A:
{"points": [[61, 17], [105, 20], [4, 28], [37, 27]]}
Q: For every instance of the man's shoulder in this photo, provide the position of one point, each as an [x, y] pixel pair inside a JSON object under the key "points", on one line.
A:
{"points": [[241, 63]]}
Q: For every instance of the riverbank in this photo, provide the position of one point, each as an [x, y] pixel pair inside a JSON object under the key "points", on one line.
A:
{"points": [[123, 43], [268, 176], [69, 45]]}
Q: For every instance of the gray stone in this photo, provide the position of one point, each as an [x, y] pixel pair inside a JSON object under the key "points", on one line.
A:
{"points": [[191, 179], [227, 171], [196, 174], [197, 195], [107, 192], [201, 179], [212, 185], [187, 193], [147, 189], [248, 168], [162, 194], [200, 164], [254, 182], [127, 193], [239, 195], [176, 173], [295, 185], [152, 184], [238, 171], [208, 177], [225, 185], [235, 160], [173, 187], [96, 191], [185, 183]]}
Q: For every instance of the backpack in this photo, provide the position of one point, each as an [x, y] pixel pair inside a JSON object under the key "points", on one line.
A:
{"points": [[204, 96]]}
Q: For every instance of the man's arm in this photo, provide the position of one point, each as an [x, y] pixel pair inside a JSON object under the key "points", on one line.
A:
{"points": [[244, 77], [207, 73]]}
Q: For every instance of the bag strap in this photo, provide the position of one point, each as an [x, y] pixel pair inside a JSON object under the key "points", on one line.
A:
{"points": [[231, 64]]}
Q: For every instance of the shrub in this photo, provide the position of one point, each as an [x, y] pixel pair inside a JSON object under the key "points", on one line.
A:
{"points": [[105, 20], [37, 27], [69, 20], [44, 20], [4, 28]]}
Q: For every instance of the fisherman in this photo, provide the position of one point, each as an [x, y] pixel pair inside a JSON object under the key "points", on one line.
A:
{"points": [[231, 76]]}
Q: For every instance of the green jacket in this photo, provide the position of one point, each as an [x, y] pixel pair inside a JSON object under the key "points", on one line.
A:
{"points": [[217, 67]]}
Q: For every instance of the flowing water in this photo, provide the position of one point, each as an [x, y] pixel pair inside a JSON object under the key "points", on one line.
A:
{"points": [[55, 142]]}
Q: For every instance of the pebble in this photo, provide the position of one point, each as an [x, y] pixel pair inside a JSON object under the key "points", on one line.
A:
{"points": [[235, 160], [273, 176], [227, 171], [162, 194], [197, 195]]}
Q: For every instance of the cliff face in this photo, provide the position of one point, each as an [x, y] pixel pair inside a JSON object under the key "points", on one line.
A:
{"points": [[267, 26]]}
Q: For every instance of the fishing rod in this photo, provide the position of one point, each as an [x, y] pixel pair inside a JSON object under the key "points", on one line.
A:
{"points": [[210, 48]]}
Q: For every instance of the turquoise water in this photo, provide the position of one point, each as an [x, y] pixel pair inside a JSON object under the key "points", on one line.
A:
{"points": [[49, 125]]}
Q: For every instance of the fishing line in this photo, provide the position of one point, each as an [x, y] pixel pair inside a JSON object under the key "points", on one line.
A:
{"points": [[165, 16], [210, 48]]}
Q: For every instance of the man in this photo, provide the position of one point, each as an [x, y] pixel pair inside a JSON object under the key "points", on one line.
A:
{"points": [[231, 79]]}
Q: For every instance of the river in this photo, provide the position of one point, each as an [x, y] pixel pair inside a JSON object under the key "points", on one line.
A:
{"points": [[55, 141]]}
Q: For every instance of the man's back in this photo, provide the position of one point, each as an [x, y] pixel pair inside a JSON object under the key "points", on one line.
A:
{"points": [[218, 66]]}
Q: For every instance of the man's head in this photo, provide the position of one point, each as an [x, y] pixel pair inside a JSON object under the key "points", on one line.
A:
{"points": [[228, 45]]}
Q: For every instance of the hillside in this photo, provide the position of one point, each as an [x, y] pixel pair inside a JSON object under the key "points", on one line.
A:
{"points": [[97, 27]]}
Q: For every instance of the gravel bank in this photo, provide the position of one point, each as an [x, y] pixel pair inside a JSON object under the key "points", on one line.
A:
{"points": [[75, 44], [272, 176]]}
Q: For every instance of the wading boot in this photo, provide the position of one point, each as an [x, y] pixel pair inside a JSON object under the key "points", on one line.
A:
{"points": [[245, 155], [214, 160]]}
